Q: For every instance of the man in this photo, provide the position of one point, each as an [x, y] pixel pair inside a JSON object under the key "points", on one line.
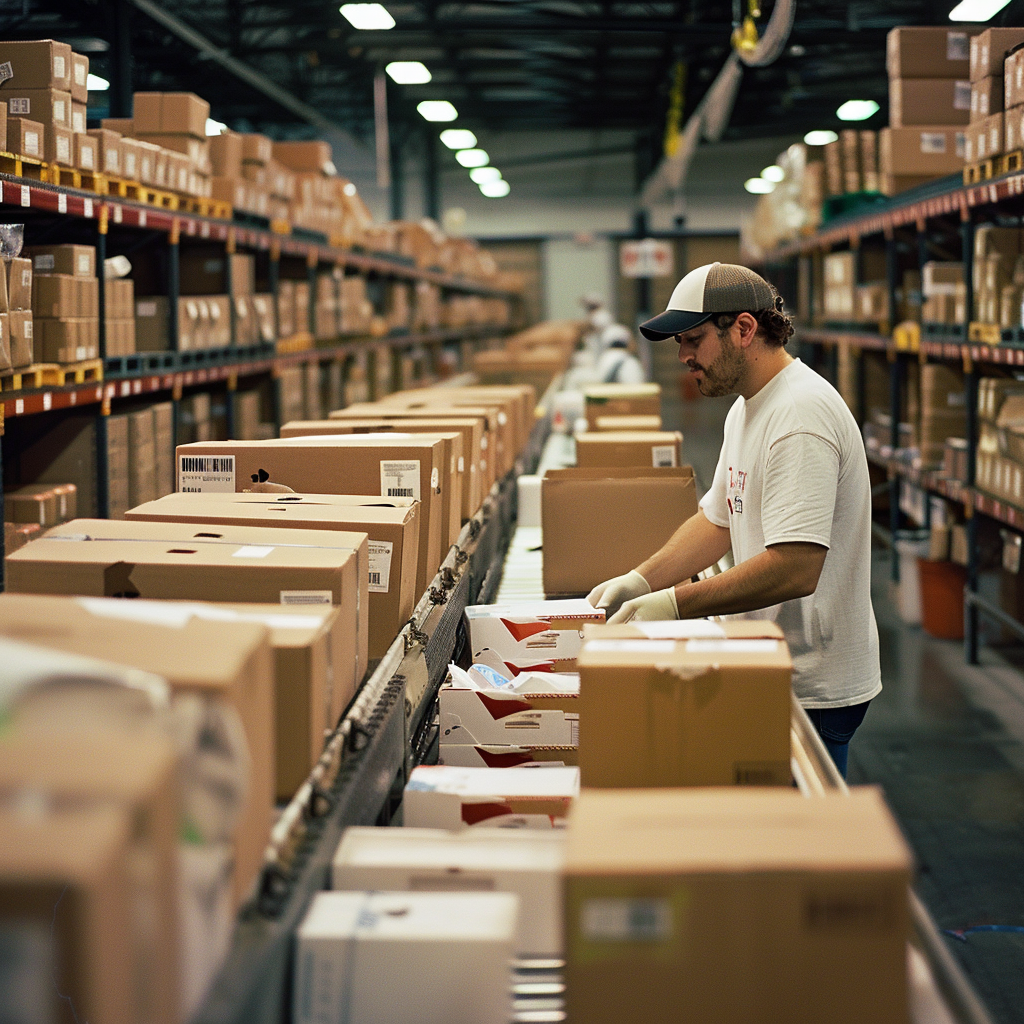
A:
{"points": [[790, 496], [616, 364]]}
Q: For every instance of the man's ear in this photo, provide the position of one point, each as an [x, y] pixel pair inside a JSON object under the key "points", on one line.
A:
{"points": [[747, 325]]}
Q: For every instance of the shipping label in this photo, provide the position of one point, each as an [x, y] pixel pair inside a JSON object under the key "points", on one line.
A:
{"points": [[732, 646], [627, 920], [933, 142], [380, 565], [201, 474], [663, 456], [6, 71], [307, 597], [400, 479]]}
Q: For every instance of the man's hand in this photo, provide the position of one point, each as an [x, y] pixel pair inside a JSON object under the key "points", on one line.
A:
{"points": [[611, 594], [656, 607]]}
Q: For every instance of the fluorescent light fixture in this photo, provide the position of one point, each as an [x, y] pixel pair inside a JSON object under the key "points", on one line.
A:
{"points": [[495, 189], [408, 72], [773, 173], [759, 186], [215, 127], [458, 138], [349, 189], [367, 16], [97, 84], [473, 157], [484, 175], [821, 137], [437, 110], [976, 10], [857, 110]]}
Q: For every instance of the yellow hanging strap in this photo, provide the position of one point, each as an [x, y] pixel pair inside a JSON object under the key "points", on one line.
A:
{"points": [[745, 36], [676, 105]]}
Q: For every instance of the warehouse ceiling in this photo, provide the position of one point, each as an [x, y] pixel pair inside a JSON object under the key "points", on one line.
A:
{"points": [[507, 66]]}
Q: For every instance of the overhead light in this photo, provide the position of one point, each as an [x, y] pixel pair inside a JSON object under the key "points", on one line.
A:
{"points": [[408, 72], [96, 84], [437, 110], [367, 16], [495, 189], [821, 137], [458, 138], [348, 188], [759, 186], [773, 173], [484, 175], [976, 10], [215, 127], [857, 110], [473, 157]]}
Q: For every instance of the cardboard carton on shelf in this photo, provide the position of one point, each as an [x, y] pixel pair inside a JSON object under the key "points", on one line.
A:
{"points": [[933, 151], [988, 51], [928, 101], [75, 260], [450, 949], [914, 51], [229, 664], [705, 693], [37, 64], [410, 467], [987, 96], [440, 796], [79, 87], [24, 348], [658, 449], [663, 886], [527, 863], [50, 107], [108, 146], [581, 506], [25, 137], [86, 152]]}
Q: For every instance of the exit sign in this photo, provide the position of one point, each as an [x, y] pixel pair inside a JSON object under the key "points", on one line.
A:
{"points": [[647, 257]]}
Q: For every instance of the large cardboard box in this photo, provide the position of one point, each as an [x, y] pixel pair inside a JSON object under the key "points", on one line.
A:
{"points": [[392, 528], [988, 51], [77, 260], [621, 400], [934, 150], [529, 635], [50, 107], [409, 467], [915, 51], [582, 509], [733, 905], [471, 429], [136, 771], [25, 137], [64, 888], [229, 663], [37, 64], [406, 958], [440, 796], [657, 449], [712, 710], [527, 863], [925, 101]]}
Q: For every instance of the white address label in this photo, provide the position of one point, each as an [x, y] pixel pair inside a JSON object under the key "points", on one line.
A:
{"points": [[736, 646], [663, 456], [620, 920], [380, 565], [400, 479], [201, 474], [306, 597]]}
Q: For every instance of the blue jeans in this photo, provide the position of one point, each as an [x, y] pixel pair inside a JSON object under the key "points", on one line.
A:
{"points": [[836, 727]]}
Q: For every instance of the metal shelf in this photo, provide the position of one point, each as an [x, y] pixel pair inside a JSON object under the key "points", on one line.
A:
{"points": [[946, 348]]}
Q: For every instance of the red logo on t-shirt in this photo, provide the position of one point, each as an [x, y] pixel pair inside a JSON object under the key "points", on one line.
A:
{"points": [[737, 485]]}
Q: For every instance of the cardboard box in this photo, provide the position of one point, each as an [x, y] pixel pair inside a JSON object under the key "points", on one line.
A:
{"points": [[667, 892], [64, 877], [37, 64], [21, 332], [138, 772], [392, 528], [933, 151], [67, 340], [62, 295], [657, 449], [171, 113], [409, 467], [534, 633], [928, 101], [79, 115], [988, 51], [986, 98], [451, 951], [914, 51], [152, 327], [620, 423], [19, 282], [621, 400], [984, 138], [33, 503], [59, 146], [25, 137], [227, 663], [439, 796], [76, 260], [708, 711], [50, 107], [257, 149], [109, 150], [5, 341], [526, 863], [581, 508], [87, 151], [313, 155], [79, 78]]}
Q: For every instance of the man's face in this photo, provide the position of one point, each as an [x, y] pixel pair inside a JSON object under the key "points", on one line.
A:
{"points": [[715, 360]]}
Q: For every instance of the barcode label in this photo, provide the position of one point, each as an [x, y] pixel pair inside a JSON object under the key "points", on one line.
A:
{"points": [[6, 71], [19, 106], [380, 565], [306, 597], [198, 474], [400, 479], [663, 456]]}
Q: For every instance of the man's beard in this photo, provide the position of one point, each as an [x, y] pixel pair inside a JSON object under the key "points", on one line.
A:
{"points": [[723, 376]]}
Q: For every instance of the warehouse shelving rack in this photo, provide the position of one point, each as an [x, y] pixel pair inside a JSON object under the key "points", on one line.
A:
{"points": [[60, 214], [933, 221]]}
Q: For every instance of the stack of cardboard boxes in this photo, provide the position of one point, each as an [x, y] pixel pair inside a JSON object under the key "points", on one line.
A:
{"points": [[1000, 456], [998, 271], [851, 162], [17, 334], [65, 303]]}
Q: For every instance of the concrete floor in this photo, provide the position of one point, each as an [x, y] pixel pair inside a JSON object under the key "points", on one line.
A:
{"points": [[946, 743]]}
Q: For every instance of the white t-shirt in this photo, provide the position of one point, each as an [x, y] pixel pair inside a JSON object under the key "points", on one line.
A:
{"points": [[793, 468]]}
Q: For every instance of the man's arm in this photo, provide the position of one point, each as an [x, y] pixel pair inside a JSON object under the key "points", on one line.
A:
{"points": [[697, 544]]}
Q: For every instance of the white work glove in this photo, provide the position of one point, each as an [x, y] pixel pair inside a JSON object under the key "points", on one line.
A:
{"points": [[656, 607], [612, 593]]}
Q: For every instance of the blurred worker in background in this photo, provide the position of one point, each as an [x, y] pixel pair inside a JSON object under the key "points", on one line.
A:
{"points": [[791, 497], [617, 364]]}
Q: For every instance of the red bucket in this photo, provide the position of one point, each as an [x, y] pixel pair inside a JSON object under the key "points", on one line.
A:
{"points": [[942, 598]]}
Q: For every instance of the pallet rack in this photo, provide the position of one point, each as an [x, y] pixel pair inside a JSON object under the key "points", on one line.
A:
{"points": [[938, 218], [114, 224]]}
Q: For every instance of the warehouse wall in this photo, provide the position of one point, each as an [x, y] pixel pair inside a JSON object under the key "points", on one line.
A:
{"points": [[573, 267]]}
